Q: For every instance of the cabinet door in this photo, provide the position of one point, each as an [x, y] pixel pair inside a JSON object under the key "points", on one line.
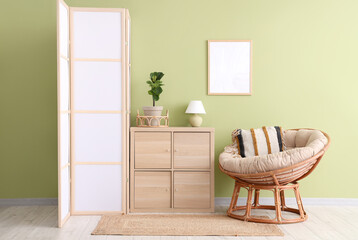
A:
{"points": [[152, 150], [192, 150], [191, 190], [152, 189]]}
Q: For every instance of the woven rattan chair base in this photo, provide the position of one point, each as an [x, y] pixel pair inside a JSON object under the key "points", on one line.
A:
{"points": [[279, 207]]}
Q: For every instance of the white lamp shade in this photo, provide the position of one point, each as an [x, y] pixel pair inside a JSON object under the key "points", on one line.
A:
{"points": [[195, 107]]}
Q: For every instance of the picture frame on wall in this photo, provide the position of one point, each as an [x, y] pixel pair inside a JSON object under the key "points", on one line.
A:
{"points": [[229, 67]]}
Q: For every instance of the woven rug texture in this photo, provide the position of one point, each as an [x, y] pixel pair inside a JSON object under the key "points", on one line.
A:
{"points": [[182, 225]]}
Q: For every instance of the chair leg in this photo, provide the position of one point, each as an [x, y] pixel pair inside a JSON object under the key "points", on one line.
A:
{"points": [[257, 197], [299, 202], [248, 203], [234, 198], [238, 188], [278, 204], [283, 201]]}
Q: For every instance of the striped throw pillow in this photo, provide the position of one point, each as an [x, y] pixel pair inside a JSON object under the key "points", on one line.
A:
{"points": [[260, 141]]}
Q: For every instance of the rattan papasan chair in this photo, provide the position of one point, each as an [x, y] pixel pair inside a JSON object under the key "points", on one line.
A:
{"points": [[276, 172]]}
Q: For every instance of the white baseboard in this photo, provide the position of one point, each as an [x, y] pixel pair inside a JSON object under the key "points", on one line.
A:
{"points": [[4, 202], [219, 201], [225, 201]]}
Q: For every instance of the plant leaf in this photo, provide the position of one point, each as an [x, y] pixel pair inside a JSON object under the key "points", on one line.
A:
{"points": [[157, 90], [156, 97], [153, 77], [159, 75]]}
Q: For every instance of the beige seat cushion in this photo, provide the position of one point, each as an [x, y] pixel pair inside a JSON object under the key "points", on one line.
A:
{"points": [[300, 145]]}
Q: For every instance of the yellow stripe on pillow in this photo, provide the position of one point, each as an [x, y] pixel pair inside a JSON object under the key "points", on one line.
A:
{"points": [[254, 141], [267, 140]]}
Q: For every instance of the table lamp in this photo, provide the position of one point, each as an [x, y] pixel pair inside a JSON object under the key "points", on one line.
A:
{"points": [[195, 108]]}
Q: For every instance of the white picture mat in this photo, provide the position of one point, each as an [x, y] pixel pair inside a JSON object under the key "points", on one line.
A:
{"points": [[98, 188], [65, 138], [64, 30], [65, 192], [97, 35], [97, 137], [64, 85], [97, 86], [230, 67]]}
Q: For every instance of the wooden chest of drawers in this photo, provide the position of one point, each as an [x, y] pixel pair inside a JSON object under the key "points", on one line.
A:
{"points": [[172, 170]]}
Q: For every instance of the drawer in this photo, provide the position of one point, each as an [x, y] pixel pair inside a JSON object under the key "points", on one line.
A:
{"points": [[191, 190], [152, 150], [191, 150], [152, 190]]}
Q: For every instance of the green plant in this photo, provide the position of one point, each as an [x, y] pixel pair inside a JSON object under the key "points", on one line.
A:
{"points": [[155, 84]]}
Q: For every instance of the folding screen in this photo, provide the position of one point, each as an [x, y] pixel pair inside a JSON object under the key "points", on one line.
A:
{"points": [[98, 110]]}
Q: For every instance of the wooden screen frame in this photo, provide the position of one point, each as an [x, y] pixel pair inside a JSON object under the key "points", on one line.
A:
{"points": [[211, 93], [61, 220], [128, 109], [122, 111]]}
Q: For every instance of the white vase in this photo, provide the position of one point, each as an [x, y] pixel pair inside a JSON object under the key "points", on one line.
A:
{"points": [[153, 111]]}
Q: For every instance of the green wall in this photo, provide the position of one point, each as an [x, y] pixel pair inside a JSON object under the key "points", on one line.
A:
{"points": [[304, 75]]}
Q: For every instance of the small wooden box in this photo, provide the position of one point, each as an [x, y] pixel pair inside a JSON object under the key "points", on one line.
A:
{"points": [[171, 170]]}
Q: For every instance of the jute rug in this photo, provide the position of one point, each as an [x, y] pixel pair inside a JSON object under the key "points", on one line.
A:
{"points": [[181, 225]]}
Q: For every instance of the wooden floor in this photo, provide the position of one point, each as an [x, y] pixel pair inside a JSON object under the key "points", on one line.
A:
{"points": [[39, 222]]}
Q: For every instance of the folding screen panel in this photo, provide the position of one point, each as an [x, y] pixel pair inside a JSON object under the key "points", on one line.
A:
{"points": [[93, 110], [63, 109], [98, 105]]}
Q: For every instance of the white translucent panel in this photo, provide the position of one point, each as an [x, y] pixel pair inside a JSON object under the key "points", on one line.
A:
{"points": [[97, 34], [65, 138], [64, 30], [230, 67], [97, 86], [98, 138], [65, 192], [98, 188], [64, 85]]}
